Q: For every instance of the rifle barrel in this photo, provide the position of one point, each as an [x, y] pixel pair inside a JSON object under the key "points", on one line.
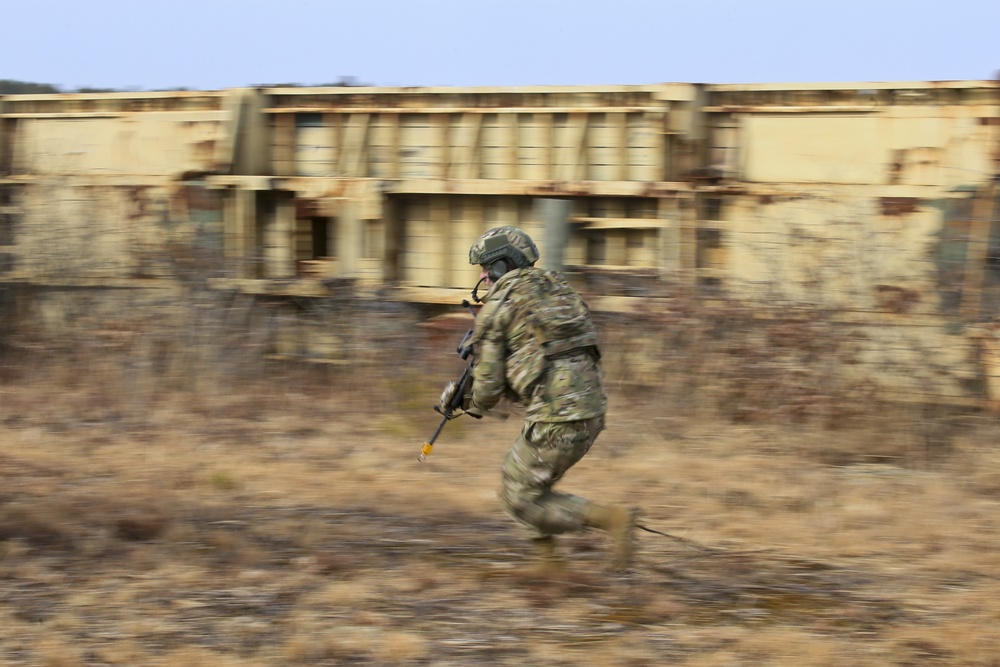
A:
{"points": [[456, 401]]}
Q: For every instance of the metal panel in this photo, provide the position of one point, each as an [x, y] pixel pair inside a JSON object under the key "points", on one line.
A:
{"points": [[420, 147], [315, 152], [644, 158], [466, 223], [464, 138], [383, 145], [604, 145], [495, 147], [533, 146], [353, 162], [283, 145], [831, 247], [153, 143], [569, 134], [418, 250], [799, 149]]}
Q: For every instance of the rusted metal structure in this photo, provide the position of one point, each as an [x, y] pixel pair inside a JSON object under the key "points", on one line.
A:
{"points": [[872, 202], [385, 186]]}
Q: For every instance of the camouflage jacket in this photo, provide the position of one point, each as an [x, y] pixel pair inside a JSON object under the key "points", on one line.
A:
{"points": [[536, 343]]}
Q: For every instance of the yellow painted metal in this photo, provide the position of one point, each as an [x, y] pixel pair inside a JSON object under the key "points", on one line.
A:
{"points": [[844, 196]]}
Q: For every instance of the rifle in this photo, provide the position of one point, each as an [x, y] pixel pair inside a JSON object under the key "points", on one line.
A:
{"points": [[454, 407]]}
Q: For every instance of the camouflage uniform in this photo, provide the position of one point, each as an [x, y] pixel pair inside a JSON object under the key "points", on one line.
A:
{"points": [[536, 344]]}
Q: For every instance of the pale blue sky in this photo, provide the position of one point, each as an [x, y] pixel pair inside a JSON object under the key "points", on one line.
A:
{"points": [[228, 43]]}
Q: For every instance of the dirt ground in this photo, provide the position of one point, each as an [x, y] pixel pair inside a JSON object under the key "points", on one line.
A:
{"points": [[290, 523]]}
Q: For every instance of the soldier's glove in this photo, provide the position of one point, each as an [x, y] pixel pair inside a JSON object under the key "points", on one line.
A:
{"points": [[446, 402], [468, 406]]}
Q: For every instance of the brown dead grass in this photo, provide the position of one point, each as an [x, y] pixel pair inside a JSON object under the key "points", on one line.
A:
{"points": [[289, 523]]}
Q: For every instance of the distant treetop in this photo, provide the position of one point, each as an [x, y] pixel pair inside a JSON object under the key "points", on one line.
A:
{"points": [[9, 87], [12, 87]]}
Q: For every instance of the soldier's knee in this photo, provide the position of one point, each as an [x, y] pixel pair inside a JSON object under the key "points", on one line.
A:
{"points": [[518, 503], [510, 501]]}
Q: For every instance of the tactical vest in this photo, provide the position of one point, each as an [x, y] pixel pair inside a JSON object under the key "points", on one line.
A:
{"points": [[557, 317]]}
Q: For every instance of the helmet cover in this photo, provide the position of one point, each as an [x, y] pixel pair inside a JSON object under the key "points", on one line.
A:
{"points": [[507, 242]]}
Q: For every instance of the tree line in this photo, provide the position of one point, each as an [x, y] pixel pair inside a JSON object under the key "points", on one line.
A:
{"points": [[13, 87]]}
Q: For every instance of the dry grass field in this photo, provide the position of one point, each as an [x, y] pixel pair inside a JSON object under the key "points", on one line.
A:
{"points": [[288, 522]]}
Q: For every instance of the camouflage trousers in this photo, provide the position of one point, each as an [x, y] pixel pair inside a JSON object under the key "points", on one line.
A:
{"points": [[541, 455]]}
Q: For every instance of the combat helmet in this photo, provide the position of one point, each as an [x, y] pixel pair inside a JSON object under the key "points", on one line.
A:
{"points": [[503, 249]]}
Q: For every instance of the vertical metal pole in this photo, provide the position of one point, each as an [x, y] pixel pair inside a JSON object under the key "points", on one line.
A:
{"points": [[554, 215]]}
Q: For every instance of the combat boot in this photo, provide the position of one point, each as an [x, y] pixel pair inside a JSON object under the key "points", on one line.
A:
{"points": [[619, 521]]}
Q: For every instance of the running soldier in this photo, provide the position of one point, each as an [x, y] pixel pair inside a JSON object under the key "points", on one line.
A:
{"points": [[535, 343]]}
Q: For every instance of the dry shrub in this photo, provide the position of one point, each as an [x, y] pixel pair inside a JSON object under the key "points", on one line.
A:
{"points": [[744, 364], [55, 652], [314, 642], [400, 648], [767, 367], [37, 524], [282, 518], [122, 652], [190, 656], [343, 594]]}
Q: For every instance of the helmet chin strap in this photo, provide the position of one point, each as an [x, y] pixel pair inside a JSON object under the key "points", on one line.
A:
{"points": [[475, 290]]}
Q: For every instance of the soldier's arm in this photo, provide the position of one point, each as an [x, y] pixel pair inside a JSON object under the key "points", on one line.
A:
{"points": [[489, 377]]}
